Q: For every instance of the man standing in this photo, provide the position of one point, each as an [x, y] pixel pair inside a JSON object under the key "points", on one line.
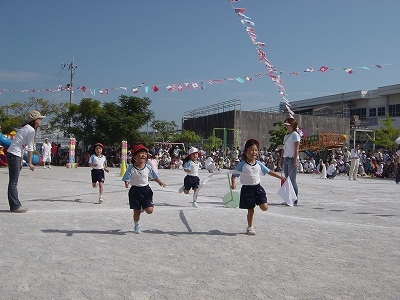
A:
{"points": [[46, 153], [355, 161]]}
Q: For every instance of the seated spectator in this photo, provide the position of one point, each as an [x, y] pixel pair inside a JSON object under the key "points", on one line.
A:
{"points": [[165, 161], [332, 170], [361, 170], [368, 167], [341, 165]]}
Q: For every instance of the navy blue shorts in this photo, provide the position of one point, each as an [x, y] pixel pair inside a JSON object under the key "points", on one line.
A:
{"points": [[140, 197], [98, 175], [252, 195], [191, 182]]}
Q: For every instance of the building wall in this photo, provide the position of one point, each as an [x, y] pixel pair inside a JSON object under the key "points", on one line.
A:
{"points": [[256, 125]]}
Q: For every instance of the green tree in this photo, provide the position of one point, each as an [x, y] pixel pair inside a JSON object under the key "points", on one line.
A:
{"points": [[385, 136], [13, 115], [213, 144], [276, 135], [166, 129], [110, 123], [187, 137]]}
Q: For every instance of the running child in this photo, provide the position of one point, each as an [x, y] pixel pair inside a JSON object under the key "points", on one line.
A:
{"points": [[191, 166], [98, 162], [140, 193], [252, 193]]}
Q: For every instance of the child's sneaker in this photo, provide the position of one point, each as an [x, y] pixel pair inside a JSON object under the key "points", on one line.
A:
{"points": [[137, 229], [194, 204], [250, 231], [181, 189], [101, 200]]}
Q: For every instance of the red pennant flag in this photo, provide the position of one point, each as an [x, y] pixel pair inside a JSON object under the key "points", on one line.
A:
{"points": [[240, 10], [155, 88], [323, 69], [187, 86]]}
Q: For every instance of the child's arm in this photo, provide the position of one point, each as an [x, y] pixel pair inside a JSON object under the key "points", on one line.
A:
{"points": [[233, 182], [162, 184], [276, 175], [105, 167]]}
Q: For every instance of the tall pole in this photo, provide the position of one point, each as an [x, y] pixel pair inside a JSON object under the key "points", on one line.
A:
{"points": [[72, 68]]}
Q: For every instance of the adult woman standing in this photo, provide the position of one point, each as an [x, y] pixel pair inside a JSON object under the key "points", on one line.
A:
{"points": [[22, 141], [290, 152]]}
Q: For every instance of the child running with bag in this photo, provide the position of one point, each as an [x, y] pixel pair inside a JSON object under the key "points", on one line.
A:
{"points": [[140, 193], [252, 193], [191, 166]]}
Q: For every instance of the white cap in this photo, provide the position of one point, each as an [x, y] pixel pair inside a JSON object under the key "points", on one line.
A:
{"points": [[193, 150]]}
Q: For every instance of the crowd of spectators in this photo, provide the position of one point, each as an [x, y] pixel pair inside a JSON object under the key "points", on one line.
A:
{"points": [[379, 164]]}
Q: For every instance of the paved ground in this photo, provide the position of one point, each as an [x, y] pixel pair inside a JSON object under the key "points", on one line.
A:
{"points": [[341, 242]]}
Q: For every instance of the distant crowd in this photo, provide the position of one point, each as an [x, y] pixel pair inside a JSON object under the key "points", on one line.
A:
{"points": [[379, 164]]}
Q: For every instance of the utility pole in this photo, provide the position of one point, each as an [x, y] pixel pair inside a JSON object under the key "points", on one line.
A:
{"points": [[72, 141], [72, 67]]}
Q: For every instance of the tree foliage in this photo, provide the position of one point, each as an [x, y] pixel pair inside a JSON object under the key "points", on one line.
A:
{"points": [[385, 136], [12, 116], [276, 135], [109, 123], [164, 128], [187, 137]]}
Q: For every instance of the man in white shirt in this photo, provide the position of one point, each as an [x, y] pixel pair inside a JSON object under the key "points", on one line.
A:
{"points": [[46, 153], [355, 161]]}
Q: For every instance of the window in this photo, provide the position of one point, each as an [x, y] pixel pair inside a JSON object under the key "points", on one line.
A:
{"points": [[381, 111], [360, 112], [394, 110], [372, 112]]}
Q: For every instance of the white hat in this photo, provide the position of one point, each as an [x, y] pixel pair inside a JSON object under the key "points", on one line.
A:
{"points": [[193, 150]]}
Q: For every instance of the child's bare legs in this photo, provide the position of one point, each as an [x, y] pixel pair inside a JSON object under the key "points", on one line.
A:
{"points": [[136, 217], [250, 215], [264, 206], [101, 188]]}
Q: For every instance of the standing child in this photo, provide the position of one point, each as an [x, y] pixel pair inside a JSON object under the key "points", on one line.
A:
{"points": [[98, 162], [140, 193], [191, 166], [252, 193]]}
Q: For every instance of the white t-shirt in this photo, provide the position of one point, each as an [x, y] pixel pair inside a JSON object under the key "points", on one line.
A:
{"points": [[139, 177], [192, 167], [331, 169], [250, 174], [46, 149], [288, 144], [22, 141], [98, 160]]}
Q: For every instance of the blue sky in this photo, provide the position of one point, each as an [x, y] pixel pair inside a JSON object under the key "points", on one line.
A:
{"points": [[125, 43]]}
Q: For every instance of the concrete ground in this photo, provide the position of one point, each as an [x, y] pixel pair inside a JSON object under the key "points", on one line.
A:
{"points": [[341, 242]]}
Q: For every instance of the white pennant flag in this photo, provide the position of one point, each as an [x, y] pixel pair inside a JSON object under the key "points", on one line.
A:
{"points": [[287, 192]]}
